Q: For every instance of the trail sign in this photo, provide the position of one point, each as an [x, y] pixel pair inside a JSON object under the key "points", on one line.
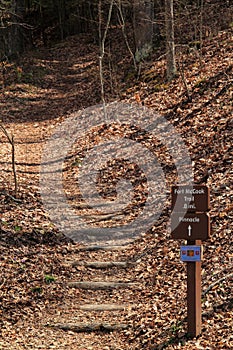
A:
{"points": [[190, 198], [191, 253], [190, 221], [191, 226]]}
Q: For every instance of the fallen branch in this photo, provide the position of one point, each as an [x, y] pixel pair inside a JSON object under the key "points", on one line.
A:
{"points": [[211, 286], [11, 197]]}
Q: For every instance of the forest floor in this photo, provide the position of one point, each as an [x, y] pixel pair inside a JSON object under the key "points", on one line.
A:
{"points": [[39, 92]]}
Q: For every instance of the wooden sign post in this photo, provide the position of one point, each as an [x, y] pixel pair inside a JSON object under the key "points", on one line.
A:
{"points": [[190, 222], [194, 295]]}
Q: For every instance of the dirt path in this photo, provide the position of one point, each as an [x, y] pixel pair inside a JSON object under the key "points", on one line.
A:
{"points": [[63, 81], [40, 329], [52, 84]]}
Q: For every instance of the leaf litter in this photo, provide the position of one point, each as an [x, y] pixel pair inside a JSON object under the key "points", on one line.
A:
{"points": [[33, 272]]}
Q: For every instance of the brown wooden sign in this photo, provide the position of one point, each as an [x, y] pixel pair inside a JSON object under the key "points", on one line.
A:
{"points": [[191, 226], [190, 221], [190, 198]]}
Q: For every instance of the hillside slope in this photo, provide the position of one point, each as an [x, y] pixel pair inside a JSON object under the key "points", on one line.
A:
{"points": [[40, 91]]}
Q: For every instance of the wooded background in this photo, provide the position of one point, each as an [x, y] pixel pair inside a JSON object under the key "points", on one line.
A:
{"points": [[27, 23]]}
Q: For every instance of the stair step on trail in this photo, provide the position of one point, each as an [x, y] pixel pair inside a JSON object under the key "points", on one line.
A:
{"points": [[106, 307], [93, 248], [102, 264], [107, 310], [89, 327], [93, 285]]}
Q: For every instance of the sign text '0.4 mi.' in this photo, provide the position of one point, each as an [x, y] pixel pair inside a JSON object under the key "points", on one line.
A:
{"points": [[190, 198]]}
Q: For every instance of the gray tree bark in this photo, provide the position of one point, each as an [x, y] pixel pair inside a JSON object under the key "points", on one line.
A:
{"points": [[11, 31], [170, 40], [143, 27]]}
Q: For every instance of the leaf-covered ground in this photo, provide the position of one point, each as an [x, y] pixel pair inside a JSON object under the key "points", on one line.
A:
{"points": [[38, 92]]}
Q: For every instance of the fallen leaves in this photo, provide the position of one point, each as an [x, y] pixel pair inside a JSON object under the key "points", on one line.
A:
{"points": [[32, 252]]}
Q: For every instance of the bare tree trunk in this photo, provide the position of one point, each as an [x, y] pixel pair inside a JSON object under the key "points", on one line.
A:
{"points": [[60, 8], [170, 40], [10, 138], [12, 28], [102, 40], [143, 27]]}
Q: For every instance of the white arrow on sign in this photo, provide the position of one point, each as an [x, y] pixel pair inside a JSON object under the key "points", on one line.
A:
{"points": [[189, 230]]}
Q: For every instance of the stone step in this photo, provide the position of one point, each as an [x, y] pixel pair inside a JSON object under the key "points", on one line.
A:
{"points": [[105, 307], [102, 285], [101, 264], [92, 327]]}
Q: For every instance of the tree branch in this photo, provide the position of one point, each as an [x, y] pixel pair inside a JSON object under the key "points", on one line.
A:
{"points": [[211, 286], [122, 24]]}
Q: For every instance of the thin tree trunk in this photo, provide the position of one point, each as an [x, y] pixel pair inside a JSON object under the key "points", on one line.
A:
{"points": [[12, 143], [102, 40], [170, 40], [143, 28]]}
